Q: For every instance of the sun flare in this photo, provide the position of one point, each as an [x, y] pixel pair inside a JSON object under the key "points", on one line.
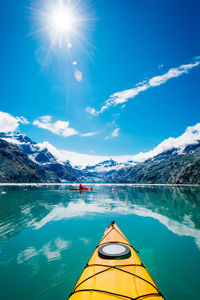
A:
{"points": [[63, 25], [64, 20]]}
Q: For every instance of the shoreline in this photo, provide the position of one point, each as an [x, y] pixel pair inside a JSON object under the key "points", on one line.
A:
{"points": [[100, 184]]}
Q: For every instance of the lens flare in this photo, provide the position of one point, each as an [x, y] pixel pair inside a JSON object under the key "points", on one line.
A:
{"points": [[62, 27]]}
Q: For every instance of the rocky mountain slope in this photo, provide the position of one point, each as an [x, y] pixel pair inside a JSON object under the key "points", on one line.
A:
{"points": [[175, 160], [57, 161], [15, 166], [168, 167], [41, 160]]}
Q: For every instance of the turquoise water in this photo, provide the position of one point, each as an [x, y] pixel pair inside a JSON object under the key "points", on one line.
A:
{"points": [[48, 233]]}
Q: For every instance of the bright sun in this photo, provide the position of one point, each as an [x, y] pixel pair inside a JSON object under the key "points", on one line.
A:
{"points": [[64, 20]]}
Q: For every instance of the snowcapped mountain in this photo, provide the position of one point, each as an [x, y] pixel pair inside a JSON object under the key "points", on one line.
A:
{"points": [[45, 153], [41, 156], [84, 161], [175, 160], [72, 166], [16, 167], [108, 165], [169, 167]]}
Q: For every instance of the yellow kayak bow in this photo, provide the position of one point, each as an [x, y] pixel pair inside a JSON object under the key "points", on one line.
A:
{"points": [[115, 271]]}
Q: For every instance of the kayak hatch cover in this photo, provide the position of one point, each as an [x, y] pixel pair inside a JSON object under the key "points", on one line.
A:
{"points": [[115, 272]]}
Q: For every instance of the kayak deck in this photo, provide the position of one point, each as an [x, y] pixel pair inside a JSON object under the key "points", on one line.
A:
{"points": [[111, 278]]}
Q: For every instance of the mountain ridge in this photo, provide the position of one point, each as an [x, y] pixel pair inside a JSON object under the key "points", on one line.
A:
{"points": [[169, 167], [175, 160], [15, 166]]}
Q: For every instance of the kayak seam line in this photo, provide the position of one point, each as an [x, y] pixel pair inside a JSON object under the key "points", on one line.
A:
{"points": [[105, 235], [111, 293], [121, 234], [113, 227]]}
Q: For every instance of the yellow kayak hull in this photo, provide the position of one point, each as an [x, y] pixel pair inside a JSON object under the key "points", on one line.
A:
{"points": [[108, 278]]}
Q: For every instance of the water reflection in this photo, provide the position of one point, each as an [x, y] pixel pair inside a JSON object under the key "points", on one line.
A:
{"points": [[178, 208], [52, 251]]}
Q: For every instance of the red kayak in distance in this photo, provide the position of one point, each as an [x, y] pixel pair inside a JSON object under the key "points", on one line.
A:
{"points": [[82, 189]]}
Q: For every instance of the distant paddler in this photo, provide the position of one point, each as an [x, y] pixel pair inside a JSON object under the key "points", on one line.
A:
{"points": [[81, 188]]}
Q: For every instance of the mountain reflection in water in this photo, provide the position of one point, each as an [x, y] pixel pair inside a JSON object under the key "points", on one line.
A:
{"points": [[177, 208]]}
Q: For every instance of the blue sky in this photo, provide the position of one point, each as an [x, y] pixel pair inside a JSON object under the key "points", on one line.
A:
{"points": [[128, 42]]}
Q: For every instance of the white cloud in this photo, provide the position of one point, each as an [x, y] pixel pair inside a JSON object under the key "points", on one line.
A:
{"points": [[172, 73], [59, 127], [124, 96], [89, 134], [8, 123], [46, 119], [113, 134], [22, 120], [190, 137], [91, 110]]}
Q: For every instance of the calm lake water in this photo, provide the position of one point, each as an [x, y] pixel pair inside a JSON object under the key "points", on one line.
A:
{"points": [[48, 233]]}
